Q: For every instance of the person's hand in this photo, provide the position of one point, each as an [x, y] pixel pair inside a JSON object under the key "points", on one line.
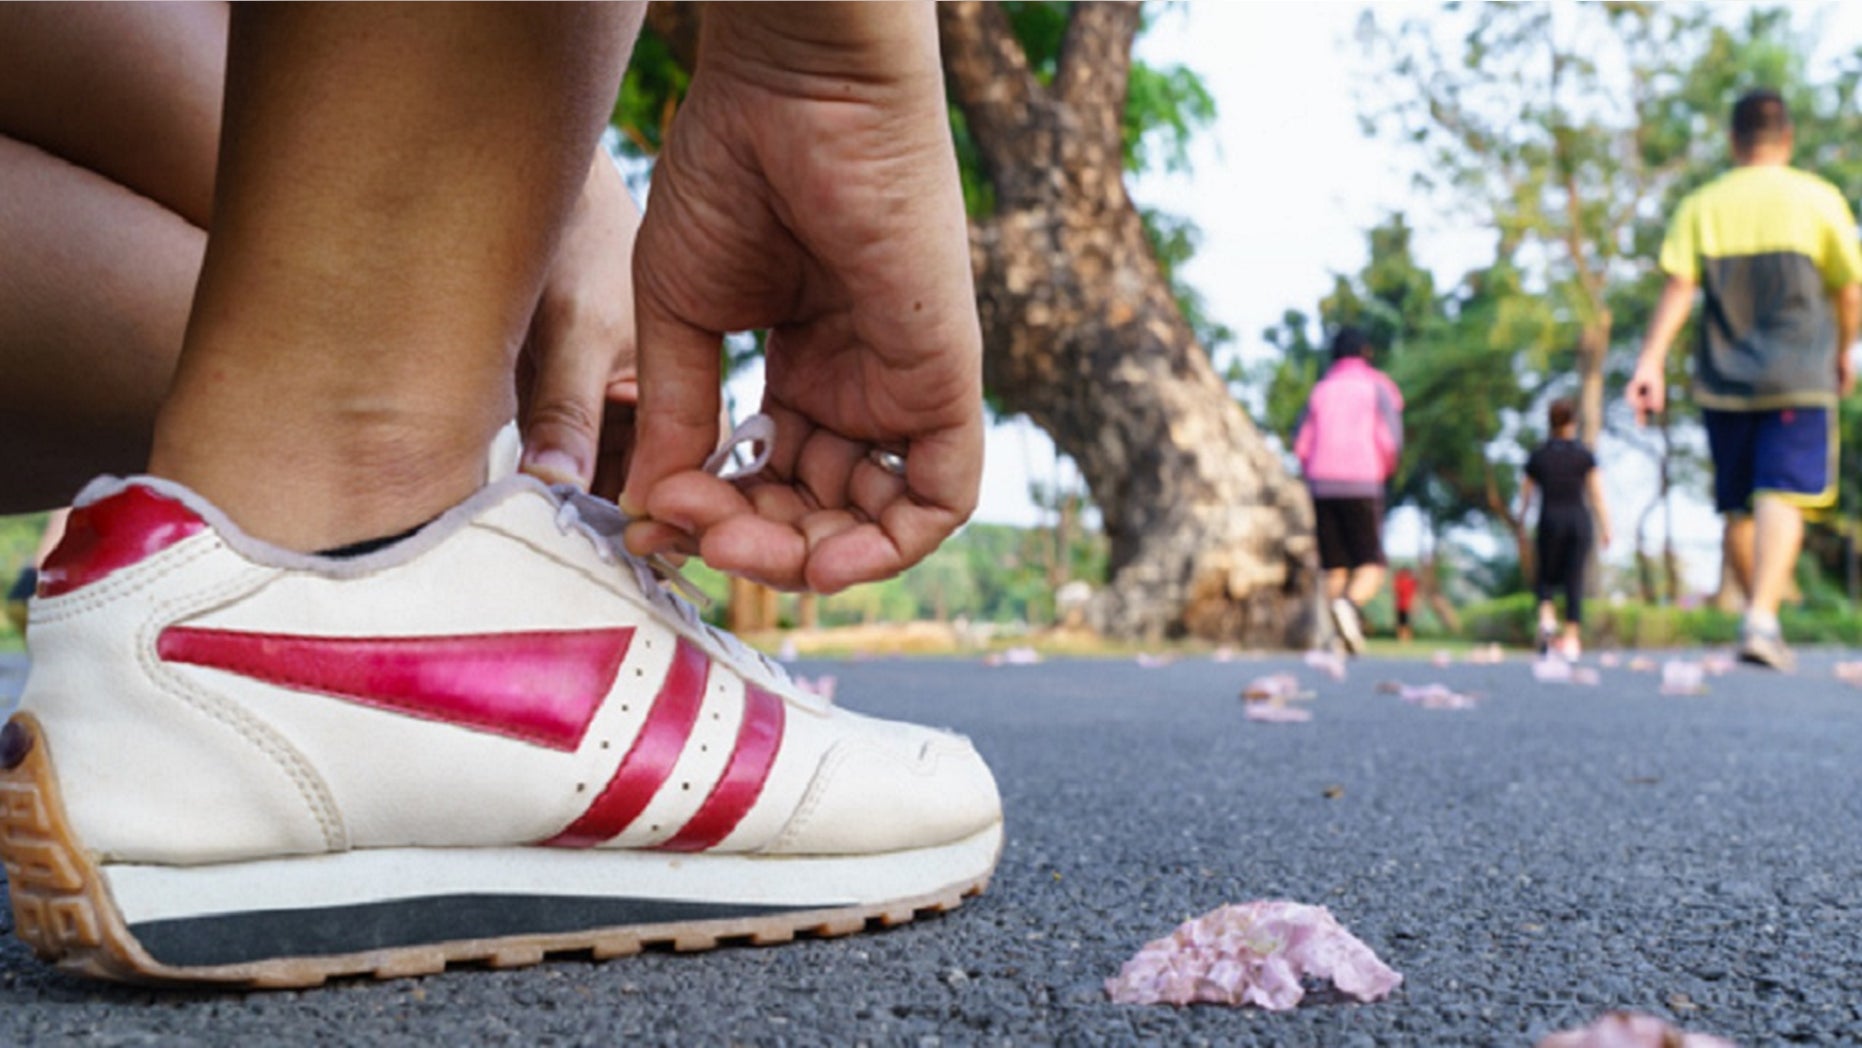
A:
{"points": [[809, 187], [577, 381], [1648, 389]]}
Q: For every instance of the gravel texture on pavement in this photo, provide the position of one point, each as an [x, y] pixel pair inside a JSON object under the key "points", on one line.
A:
{"points": [[1527, 865]]}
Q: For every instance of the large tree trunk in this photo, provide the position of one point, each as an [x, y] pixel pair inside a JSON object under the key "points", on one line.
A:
{"points": [[1593, 345], [1208, 535]]}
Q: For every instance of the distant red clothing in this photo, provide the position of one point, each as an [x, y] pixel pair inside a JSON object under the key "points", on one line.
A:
{"points": [[1405, 587]]}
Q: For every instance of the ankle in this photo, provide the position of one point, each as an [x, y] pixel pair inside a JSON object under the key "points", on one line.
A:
{"points": [[321, 492], [1762, 621]]}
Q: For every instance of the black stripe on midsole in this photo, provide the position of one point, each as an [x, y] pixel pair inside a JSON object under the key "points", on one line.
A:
{"points": [[258, 935]]}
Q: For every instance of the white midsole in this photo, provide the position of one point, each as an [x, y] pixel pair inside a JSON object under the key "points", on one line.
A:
{"points": [[153, 893]]}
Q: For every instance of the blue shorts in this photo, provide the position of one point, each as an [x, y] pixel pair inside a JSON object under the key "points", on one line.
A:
{"points": [[1788, 452]]}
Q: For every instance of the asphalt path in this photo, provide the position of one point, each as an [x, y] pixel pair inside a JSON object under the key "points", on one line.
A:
{"points": [[1557, 852]]}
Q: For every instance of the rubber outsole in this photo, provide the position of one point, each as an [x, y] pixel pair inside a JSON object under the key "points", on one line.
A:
{"points": [[63, 910]]}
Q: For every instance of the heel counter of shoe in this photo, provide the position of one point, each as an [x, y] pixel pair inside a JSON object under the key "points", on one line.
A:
{"points": [[153, 770]]}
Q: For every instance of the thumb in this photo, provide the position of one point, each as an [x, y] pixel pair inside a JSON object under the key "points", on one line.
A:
{"points": [[562, 418], [676, 421]]}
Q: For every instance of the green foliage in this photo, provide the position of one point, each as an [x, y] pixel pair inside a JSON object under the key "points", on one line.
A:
{"points": [[19, 539], [1513, 620], [652, 88], [986, 573]]}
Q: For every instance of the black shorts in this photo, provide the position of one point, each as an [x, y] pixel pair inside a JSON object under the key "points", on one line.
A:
{"points": [[1351, 532]]}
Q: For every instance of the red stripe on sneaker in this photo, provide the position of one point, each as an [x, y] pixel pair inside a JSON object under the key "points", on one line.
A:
{"points": [[114, 533], [542, 687], [649, 761], [758, 739]]}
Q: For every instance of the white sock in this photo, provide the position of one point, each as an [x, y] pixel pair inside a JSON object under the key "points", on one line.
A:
{"points": [[1761, 622]]}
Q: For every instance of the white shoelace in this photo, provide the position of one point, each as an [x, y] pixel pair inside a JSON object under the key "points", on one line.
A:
{"points": [[603, 523]]}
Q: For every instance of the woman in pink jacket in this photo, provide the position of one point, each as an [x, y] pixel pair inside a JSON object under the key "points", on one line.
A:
{"points": [[1348, 441]]}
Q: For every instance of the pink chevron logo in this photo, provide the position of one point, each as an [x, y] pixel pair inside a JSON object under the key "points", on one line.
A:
{"points": [[542, 687], [662, 739]]}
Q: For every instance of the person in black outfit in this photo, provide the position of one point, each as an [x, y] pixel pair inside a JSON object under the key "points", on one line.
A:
{"points": [[1566, 473]]}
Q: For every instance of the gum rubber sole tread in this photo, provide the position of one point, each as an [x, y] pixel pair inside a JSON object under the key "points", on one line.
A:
{"points": [[63, 910]]}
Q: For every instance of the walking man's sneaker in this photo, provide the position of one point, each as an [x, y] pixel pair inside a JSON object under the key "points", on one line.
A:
{"points": [[1350, 624], [498, 738], [1765, 648]]}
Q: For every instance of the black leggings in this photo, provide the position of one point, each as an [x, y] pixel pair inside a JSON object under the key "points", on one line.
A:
{"points": [[1564, 547]]}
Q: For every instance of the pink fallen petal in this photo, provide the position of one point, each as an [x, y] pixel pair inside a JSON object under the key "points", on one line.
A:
{"points": [[1641, 664], [1223, 654], [1718, 663], [1586, 676], [1275, 713], [1490, 655], [1274, 687], [1629, 1030], [1435, 697], [1680, 677], [1013, 657], [1848, 672], [1150, 662], [1258, 953], [822, 686], [1330, 663], [1609, 660], [1443, 658], [1551, 670]]}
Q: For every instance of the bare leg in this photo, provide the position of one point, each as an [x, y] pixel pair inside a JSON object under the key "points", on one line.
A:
{"points": [[1366, 580], [1736, 548], [94, 285], [1335, 580], [130, 91], [376, 254], [1778, 535], [109, 119]]}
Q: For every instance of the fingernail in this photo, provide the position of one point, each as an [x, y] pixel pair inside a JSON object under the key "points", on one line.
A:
{"points": [[554, 466]]}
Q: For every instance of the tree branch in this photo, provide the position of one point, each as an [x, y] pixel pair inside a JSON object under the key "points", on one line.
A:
{"points": [[676, 22], [1095, 68], [987, 73]]}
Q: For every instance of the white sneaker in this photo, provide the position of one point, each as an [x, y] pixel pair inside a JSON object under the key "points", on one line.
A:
{"points": [[1350, 624], [1765, 647], [498, 738]]}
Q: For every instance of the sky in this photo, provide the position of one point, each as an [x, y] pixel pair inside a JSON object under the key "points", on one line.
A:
{"points": [[1283, 194]]}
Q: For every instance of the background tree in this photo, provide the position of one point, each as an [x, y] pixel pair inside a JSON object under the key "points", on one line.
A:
{"points": [[1086, 330], [1468, 360], [1572, 132]]}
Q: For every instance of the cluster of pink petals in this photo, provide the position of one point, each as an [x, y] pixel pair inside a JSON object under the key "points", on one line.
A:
{"points": [[1558, 671], [1489, 655], [1330, 663], [1641, 664], [1012, 657], [1849, 672], [1442, 658], [1430, 696], [822, 686], [1274, 686], [1718, 663], [1149, 661], [1629, 1030], [1275, 713], [1257, 953], [1681, 677], [1609, 660]]}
